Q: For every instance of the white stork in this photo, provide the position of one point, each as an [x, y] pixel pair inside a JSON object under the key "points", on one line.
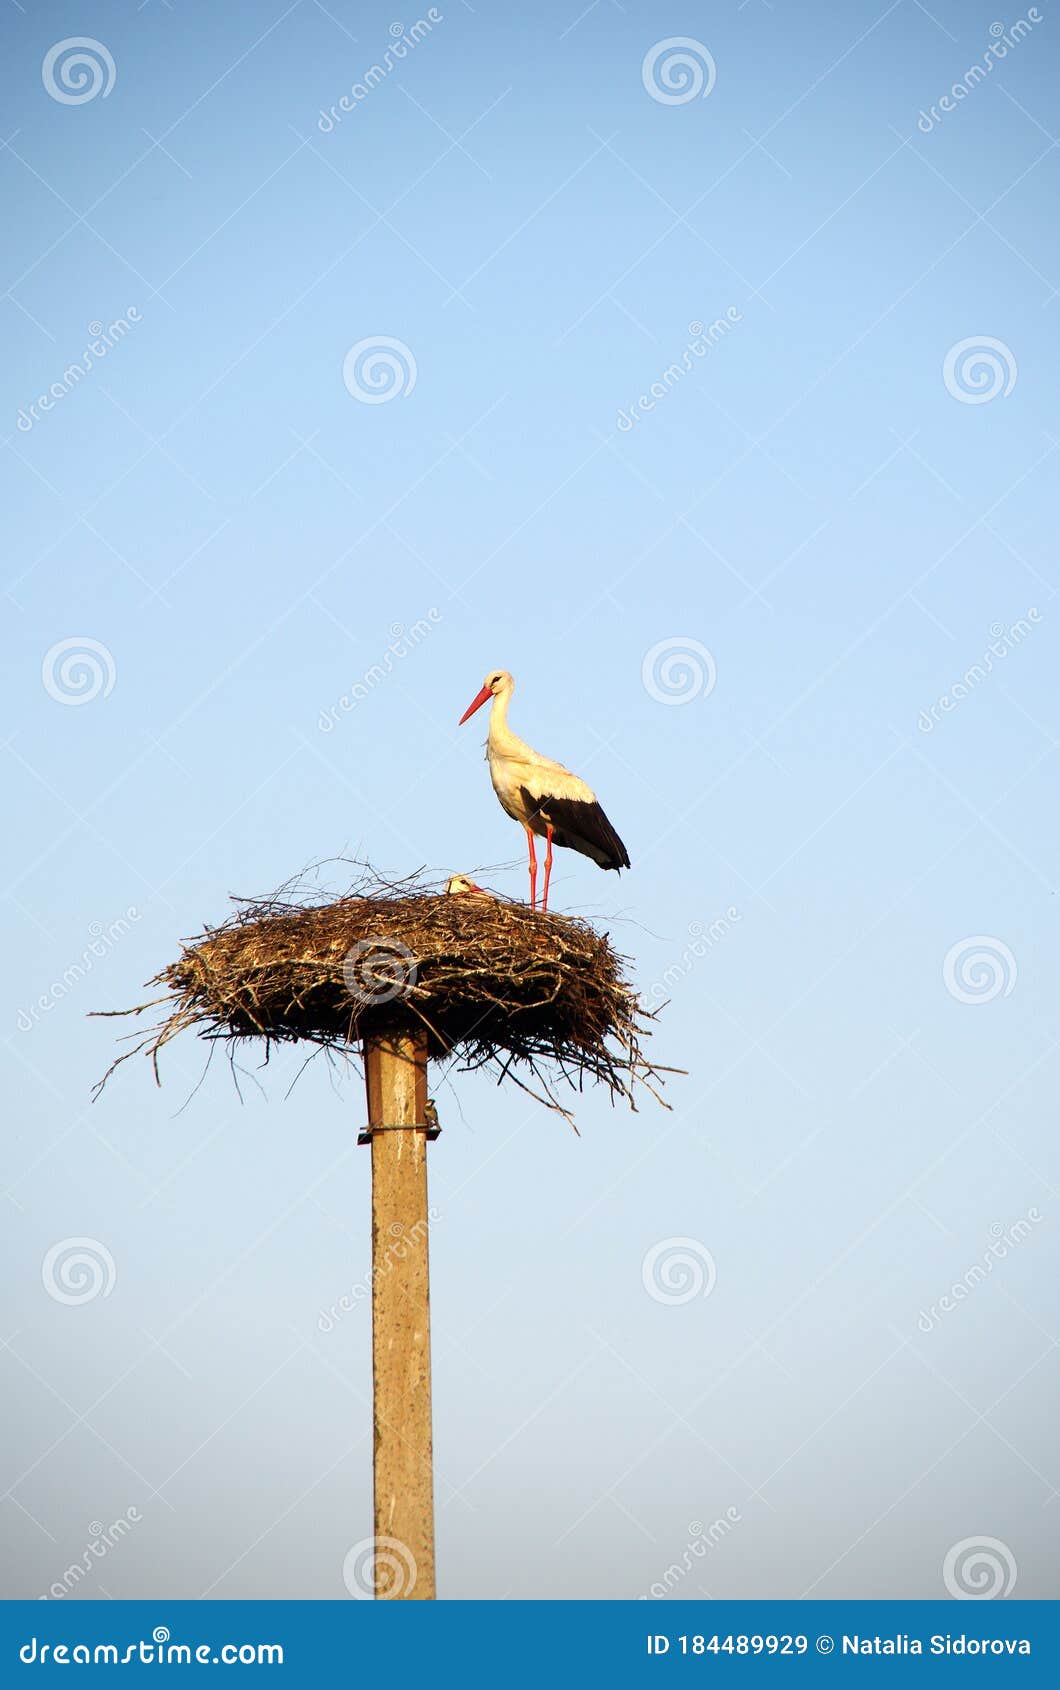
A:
{"points": [[542, 796], [459, 886]]}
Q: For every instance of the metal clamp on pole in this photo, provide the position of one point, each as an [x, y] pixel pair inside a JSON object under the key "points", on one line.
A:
{"points": [[428, 1127]]}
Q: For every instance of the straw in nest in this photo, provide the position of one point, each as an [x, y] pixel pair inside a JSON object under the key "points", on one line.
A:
{"points": [[492, 983]]}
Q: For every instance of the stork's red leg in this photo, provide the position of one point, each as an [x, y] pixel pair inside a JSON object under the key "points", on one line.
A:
{"points": [[548, 866], [533, 870]]}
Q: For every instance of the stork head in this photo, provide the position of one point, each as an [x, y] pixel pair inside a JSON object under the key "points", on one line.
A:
{"points": [[458, 883], [497, 681]]}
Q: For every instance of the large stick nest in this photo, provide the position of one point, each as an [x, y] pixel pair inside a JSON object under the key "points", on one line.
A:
{"points": [[492, 983]]}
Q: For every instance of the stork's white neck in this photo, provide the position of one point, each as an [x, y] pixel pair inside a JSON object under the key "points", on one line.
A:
{"points": [[502, 741]]}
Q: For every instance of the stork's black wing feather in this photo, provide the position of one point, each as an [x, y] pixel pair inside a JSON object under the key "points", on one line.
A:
{"points": [[578, 825]]}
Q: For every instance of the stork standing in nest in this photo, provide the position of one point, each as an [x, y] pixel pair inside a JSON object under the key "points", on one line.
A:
{"points": [[542, 796]]}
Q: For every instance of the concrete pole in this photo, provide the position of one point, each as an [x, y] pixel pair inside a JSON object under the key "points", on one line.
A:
{"points": [[396, 1077]]}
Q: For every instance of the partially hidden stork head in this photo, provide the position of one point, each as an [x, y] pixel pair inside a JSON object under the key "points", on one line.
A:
{"points": [[497, 681], [458, 883]]}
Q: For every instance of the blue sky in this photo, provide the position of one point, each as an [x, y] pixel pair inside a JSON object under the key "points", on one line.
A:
{"points": [[846, 500]]}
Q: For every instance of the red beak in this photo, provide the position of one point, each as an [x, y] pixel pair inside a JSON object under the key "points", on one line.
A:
{"points": [[476, 704]]}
